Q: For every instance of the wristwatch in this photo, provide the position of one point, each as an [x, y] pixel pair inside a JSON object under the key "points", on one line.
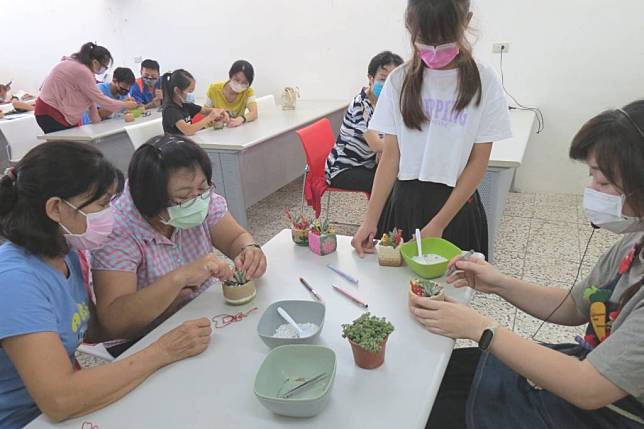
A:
{"points": [[487, 336]]}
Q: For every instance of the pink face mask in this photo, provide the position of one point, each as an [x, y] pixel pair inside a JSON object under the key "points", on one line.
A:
{"points": [[98, 227], [437, 57]]}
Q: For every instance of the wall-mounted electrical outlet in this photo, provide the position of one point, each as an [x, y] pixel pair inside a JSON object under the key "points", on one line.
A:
{"points": [[499, 47], [138, 60]]}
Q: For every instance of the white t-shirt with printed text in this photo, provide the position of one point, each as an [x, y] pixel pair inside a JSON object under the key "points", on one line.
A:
{"points": [[440, 151]]}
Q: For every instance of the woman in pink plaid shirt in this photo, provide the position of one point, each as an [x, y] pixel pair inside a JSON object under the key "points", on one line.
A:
{"points": [[159, 256]]}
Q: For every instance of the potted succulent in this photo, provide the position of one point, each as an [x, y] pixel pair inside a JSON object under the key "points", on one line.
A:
{"points": [[238, 290], [300, 225], [389, 248], [427, 289], [322, 238], [368, 337]]}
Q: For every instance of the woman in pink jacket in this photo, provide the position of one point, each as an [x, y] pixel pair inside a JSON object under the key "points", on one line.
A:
{"points": [[70, 90]]}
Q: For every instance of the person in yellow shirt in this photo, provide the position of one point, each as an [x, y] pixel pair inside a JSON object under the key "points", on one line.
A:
{"points": [[235, 95]]}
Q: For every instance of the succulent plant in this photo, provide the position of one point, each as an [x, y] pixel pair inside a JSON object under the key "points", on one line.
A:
{"points": [[322, 227], [298, 221], [238, 279], [426, 288], [392, 238], [368, 331]]}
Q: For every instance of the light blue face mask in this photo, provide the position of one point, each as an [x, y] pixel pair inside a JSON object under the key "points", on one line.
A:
{"points": [[190, 97], [377, 88]]}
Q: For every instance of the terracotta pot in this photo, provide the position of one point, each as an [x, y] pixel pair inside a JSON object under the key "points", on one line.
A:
{"points": [[322, 244], [238, 295], [128, 117], [366, 359], [389, 256], [300, 236]]}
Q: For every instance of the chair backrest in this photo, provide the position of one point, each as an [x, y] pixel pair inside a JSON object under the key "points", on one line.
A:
{"points": [[140, 133], [21, 135], [265, 102], [317, 140]]}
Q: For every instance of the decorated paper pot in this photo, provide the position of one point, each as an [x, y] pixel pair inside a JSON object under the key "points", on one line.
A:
{"points": [[322, 244], [238, 295], [366, 359], [128, 117], [389, 256], [218, 126], [136, 112], [300, 236], [440, 296]]}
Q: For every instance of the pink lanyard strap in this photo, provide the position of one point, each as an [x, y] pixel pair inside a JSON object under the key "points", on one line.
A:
{"points": [[223, 320]]}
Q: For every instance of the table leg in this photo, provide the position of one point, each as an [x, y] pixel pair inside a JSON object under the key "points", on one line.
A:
{"points": [[494, 191], [232, 184], [117, 148]]}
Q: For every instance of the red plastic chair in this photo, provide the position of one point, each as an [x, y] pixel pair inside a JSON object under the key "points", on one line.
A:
{"points": [[317, 141]]}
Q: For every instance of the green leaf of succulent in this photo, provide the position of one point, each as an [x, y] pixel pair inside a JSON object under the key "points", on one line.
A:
{"points": [[368, 331]]}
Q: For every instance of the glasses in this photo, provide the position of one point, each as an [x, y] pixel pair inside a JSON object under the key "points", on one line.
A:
{"points": [[189, 202]]}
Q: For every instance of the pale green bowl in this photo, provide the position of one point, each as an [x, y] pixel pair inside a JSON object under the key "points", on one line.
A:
{"points": [[437, 246], [279, 371]]}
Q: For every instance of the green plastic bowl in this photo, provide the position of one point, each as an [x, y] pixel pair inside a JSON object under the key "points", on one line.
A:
{"points": [[437, 246], [281, 371]]}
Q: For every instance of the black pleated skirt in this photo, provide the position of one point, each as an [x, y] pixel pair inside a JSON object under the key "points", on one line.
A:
{"points": [[412, 204]]}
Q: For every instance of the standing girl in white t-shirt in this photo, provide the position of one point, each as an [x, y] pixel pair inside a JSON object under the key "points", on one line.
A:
{"points": [[440, 113]]}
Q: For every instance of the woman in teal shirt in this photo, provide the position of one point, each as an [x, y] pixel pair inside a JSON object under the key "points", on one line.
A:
{"points": [[54, 205]]}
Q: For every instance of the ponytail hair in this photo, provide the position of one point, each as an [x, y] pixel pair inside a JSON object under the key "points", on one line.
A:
{"points": [[179, 78], [436, 22], [56, 169], [91, 51]]}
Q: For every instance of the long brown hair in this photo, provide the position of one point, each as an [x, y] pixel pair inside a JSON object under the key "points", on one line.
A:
{"points": [[436, 22], [616, 139]]}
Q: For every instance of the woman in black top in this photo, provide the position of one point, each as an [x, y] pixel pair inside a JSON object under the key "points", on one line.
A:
{"points": [[178, 111]]}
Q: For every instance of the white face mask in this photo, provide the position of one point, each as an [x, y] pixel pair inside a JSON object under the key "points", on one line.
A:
{"points": [[238, 87], [605, 211]]}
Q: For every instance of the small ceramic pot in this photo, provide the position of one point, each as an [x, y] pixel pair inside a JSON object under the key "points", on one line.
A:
{"points": [[389, 256], [366, 359], [218, 126], [300, 236], [322, 244], [238, 295]]}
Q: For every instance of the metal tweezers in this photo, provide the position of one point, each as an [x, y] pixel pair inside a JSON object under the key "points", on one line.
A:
{"points": [[307, 384]]}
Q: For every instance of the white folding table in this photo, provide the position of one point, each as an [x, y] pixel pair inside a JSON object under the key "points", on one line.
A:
{"points": [[215, 389]]}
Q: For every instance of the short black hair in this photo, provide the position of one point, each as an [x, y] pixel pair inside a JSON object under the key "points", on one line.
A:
{"points": [[55, 169], [244, 67], [123, 74], [91, 51], [385, 58], [153, 164], [150, 64]]}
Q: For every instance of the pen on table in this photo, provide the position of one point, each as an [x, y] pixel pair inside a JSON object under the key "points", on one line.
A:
{"points": [[465, 257], [313, 291], [351, 296], [342, 274]]}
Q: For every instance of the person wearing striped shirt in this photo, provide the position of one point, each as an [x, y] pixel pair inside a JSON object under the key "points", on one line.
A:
{"points": [[352, 162]]}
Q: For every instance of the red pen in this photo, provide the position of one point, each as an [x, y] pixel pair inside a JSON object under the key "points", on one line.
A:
{"points": [[351, 296]]}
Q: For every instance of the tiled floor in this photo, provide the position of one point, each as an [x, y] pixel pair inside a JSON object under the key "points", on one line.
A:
{"points": [[541, 238]]}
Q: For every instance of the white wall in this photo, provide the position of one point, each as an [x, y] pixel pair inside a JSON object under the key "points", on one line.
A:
{"points": [[323, 47], [37, 33], [572, 58]]}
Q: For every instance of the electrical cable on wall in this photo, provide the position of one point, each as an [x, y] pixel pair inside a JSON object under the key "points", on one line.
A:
{"points": [[537, 112]]}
